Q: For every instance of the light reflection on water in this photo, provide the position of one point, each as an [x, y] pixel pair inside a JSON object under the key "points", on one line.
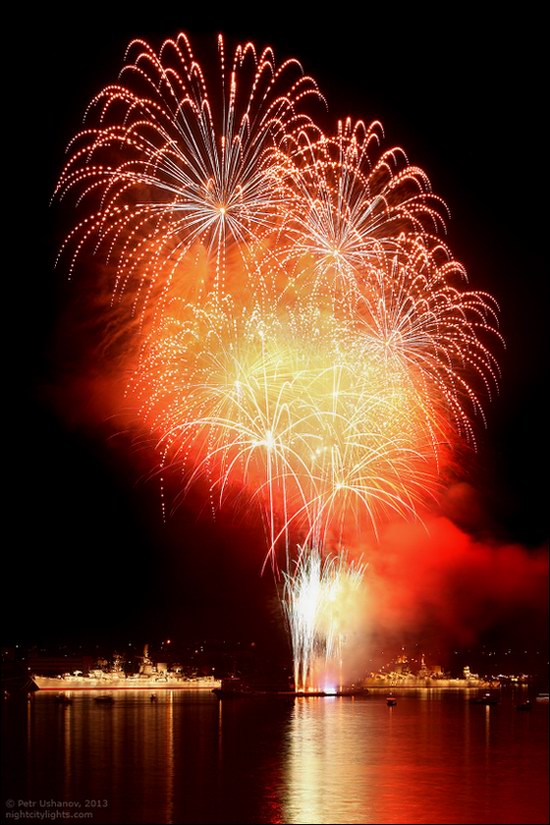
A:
{"points": [[190, 758], [430, 759]]}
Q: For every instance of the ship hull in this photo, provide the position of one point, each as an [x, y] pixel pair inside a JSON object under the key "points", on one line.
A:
{"points": [[86, 683]]}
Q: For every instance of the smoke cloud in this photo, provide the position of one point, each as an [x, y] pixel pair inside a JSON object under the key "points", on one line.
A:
{"points": [[438, 582]]}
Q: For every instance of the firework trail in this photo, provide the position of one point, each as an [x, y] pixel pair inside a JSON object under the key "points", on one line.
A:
{"points": [[307, 340]]}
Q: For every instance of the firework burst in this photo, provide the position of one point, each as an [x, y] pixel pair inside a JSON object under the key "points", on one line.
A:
{"points": [[314, 425], [352, 202], [166, 163]]}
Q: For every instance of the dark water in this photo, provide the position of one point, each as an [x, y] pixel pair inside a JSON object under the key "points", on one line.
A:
{"points": [[189, 758]]}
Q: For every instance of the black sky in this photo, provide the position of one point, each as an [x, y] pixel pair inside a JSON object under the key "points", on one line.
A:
{"points": [[463, 95]]}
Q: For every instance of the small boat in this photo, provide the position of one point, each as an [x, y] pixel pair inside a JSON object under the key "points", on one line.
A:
{"points": [[104, 700], [62, 699], [231, 687], [154, 697], [542, 697], [391, 701], [486, 699], [525, 705]]}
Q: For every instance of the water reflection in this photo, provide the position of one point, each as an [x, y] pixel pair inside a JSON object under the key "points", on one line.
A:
{"points": [[430, 759], [194, 759], [328, 759], [120, 759]]}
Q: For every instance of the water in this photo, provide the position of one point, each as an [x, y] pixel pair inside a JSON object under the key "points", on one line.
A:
{"points": [[189, 758]]}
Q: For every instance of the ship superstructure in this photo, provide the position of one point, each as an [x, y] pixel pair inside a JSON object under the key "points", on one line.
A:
{"points": [[400, 675], [150, 676]]}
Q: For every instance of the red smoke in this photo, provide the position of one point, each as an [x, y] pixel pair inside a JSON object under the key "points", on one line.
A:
{"points": [[437, 577]]}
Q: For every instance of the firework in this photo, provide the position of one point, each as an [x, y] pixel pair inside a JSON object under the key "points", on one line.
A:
{"points": [[314, 425], [352, 203], [166, 163], [319, 600], [312, 345], [415, 312]]}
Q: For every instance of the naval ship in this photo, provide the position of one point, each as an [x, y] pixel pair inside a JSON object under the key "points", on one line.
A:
{"points": [[402, 677], [151, 676]]}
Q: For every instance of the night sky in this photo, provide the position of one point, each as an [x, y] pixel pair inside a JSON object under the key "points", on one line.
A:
{"points": [[90, 556]]}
